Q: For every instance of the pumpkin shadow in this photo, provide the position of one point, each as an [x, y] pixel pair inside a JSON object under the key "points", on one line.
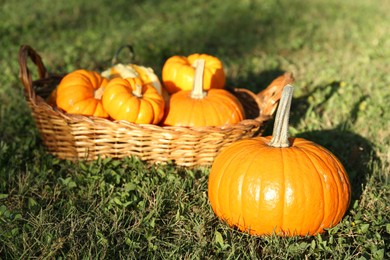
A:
{"points": [[355, 152]]}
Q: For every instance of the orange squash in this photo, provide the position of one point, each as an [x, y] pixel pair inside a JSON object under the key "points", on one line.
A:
{"points": [[146, 74], [131, 70], [79, 92], [289, 187], [131, 100], [214, 107], [178, 72]]}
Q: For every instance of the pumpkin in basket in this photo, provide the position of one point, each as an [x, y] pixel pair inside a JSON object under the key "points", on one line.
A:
{"points": [[132, 100], [267, 185], [214, 107], [80, 92], [146, 74], [132, 70], [178, 72]]}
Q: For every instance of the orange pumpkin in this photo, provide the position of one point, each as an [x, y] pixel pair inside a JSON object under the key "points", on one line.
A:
{"points": [[267, 185], [80, 91], [146, 74], [178, 72], [131, 100], [214, 107]]}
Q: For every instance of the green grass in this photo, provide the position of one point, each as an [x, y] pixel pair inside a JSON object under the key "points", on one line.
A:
{"points": [[339, 52]]}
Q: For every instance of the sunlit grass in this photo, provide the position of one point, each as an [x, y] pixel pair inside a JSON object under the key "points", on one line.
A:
{"points": [[338, 52]]}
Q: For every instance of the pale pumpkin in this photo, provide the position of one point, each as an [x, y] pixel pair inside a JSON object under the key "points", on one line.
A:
{"points": [[276, 185], [178, 72], [215, 107], [79, 92], [132, 100]]}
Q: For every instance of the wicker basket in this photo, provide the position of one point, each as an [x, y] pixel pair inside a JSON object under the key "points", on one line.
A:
{"points": [[76, 137]]}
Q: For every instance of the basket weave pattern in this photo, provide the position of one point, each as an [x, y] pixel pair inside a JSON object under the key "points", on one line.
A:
{"points": [[77, 137]]}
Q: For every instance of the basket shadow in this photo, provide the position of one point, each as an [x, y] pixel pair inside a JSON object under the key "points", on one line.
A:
{"points": [[256, 82], [300, 105]]}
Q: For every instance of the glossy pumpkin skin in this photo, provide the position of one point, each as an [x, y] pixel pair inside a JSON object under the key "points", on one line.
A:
{"points": [[299, 190], [218, 108], [122, 103], [178, 72], [79, 92]]}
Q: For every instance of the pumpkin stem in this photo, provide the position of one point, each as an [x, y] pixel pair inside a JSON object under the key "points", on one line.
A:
{"points": [[280, 132], [138, 90], [197, 90], [98, 93]]}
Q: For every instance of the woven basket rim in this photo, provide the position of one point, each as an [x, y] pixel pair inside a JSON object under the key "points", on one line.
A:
{"points": [[37, 100], [49, 119], [267, 99]]}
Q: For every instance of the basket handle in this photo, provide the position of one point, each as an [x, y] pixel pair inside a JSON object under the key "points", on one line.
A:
{"points": [[269, 97], [26, 52], [130, 48]]}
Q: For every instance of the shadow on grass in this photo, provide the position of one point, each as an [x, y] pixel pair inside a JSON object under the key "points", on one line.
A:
{"points": [[300, 105], [229, 31], [256, 82], [354, 151]]}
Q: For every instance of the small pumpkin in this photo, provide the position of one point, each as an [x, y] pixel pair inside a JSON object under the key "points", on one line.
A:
{"points": [[146, 74], [80, 92], [131, 70], [274, 184], [214, 107], [178, 72], [132, 100]]}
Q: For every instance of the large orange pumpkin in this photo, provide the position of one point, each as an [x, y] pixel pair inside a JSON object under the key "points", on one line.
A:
{"points": [[214, 107], [131, 100], [267, 185], [178, 72], [79, 92]]}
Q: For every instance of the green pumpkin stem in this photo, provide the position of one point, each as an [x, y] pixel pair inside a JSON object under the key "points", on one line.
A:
{"points": [[197, 90], [280, 132]]}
